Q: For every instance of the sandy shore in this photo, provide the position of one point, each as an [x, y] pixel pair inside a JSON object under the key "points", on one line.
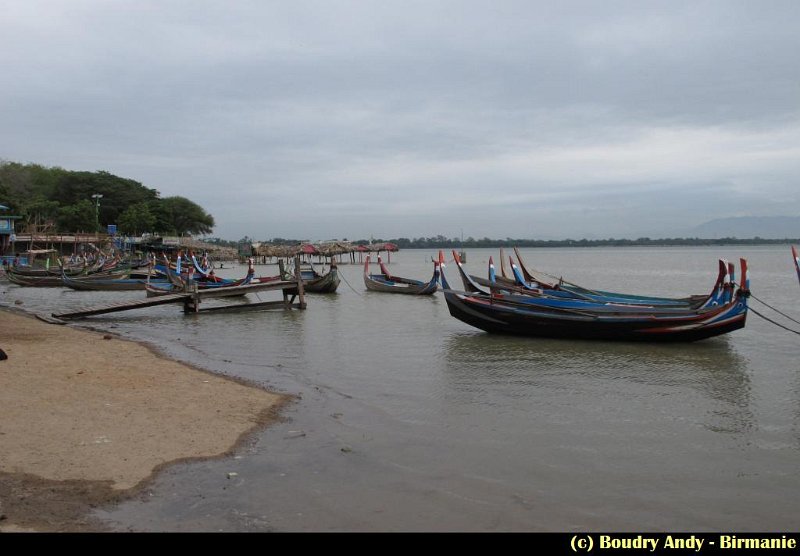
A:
{"points": [[87, 418]]}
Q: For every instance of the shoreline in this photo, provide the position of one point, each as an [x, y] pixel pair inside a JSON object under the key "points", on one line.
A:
{"points": [[88, 418]]}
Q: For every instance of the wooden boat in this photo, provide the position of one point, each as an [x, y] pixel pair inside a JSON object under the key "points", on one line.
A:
{"points": [[499, 286], [40, 263], [181, 276], [526, 282], [313, 281], [386, 282], [204, 268], [52, 274], [175, 284], [796, 261], [530, 316], [321, 283], [53, 271], [154, 288], [108, 284], [541, 280], [37, 281], [577, 292], [56, 280], [616, 303]]}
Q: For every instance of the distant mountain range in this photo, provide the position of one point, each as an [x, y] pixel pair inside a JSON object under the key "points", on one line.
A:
{"points": [[767, 227]]}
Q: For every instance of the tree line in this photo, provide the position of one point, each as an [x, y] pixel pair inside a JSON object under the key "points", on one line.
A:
{"points": [[442, 242], [62, 201]]}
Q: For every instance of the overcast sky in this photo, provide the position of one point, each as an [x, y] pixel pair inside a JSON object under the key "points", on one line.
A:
{"points": [[351, 119]]}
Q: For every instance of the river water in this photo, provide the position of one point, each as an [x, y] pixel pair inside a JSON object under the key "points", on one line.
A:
{"points": [[409, 420]]}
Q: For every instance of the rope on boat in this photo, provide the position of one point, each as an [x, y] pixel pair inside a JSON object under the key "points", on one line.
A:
{"points": [[772, 321], [341, 275], [774, 309]]}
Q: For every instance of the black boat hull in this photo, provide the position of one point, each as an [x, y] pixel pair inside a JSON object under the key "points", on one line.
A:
{"points": [[482, 314]]}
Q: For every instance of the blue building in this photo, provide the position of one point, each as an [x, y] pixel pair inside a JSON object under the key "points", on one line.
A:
{"points": [[6, 232]]}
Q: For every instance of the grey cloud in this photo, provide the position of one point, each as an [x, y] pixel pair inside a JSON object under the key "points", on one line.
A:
{"points": [[416, 117]]}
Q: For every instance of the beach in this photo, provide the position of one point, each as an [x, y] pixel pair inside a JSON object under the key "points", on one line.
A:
{"points": [[87, 419]]}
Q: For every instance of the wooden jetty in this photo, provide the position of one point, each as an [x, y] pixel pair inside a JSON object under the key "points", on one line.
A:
{"points": [[192, 297]]}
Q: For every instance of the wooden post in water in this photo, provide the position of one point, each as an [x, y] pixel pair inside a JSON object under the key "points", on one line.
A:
{"points": [[192, 304], [299, 277]]}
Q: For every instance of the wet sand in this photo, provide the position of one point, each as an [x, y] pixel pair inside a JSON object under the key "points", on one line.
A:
{"points": [[87, 418]]}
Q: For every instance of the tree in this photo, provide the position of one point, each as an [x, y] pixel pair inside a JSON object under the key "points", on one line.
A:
{"points": [[79, 217], [186, 216], [24, 182], [40, 211], [137, 219], [46, 195], [118, 193]]}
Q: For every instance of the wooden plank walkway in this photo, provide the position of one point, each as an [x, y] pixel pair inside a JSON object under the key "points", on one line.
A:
{"points": [[124, 306], [211, 293]]}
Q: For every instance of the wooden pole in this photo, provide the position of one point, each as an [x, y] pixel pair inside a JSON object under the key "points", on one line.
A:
{"points": [[192, 304], [299, 278]]}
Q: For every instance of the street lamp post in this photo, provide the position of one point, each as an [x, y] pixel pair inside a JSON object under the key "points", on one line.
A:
{"points": [[97, 197]]}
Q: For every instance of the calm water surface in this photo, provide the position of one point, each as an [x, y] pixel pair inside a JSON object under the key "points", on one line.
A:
{"points": [[408, 419]]}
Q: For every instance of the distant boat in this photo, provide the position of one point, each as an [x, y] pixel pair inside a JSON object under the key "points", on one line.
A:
{"points": [[388, 283]]}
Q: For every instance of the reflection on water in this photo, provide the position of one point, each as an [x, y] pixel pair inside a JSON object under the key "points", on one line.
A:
{"points": [[697, 365], [477, 362]]}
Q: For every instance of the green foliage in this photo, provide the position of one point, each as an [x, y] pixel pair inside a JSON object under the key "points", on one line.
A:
{"points": [[118, 193], [79, 217], [186, 216], [39, 209], [41, 194], [136, 220], [25, 185]]}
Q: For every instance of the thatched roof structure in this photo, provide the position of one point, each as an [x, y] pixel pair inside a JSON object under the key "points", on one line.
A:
{"points": [[377, 247], [325, 249], [332, 248], [216, 252]]}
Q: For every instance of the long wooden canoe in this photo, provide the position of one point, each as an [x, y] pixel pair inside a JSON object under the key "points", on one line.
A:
{"points": [[388, 283]]}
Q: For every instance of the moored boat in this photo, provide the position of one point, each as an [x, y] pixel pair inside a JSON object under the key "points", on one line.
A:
{"points": [[108, 284], [387, 283], [522, 275], [580, 319], [29, 280], [178, 284], [313, 281]]}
